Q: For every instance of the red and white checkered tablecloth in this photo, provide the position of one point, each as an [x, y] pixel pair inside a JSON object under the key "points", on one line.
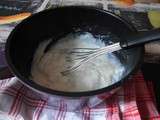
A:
{"points": [[134, 101]]}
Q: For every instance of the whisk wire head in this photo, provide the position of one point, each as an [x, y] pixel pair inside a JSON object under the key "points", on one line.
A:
{"points": [[85, 57]]}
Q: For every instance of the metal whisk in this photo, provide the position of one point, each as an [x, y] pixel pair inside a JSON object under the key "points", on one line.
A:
{"points": [[82, 56]]}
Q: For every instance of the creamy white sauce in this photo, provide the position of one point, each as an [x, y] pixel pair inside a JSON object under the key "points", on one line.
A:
{"points": [[101, 72]]}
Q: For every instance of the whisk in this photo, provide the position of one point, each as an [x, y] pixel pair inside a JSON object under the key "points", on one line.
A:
{"points": [[85, 55]]}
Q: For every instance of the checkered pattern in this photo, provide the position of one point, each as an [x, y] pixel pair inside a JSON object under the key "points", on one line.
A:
{"points": [[134, 101]]}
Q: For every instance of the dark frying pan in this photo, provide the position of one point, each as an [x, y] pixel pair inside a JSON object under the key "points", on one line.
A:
{"points": [[25, 38]]}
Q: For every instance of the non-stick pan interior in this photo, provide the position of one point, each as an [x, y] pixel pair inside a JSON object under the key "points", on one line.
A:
{"points": [[24, 40]]}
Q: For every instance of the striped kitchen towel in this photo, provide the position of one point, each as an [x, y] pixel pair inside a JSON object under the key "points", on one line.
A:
{"points": [[134, 101]]}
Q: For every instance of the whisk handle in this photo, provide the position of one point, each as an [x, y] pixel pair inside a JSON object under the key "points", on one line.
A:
{"points": [[141, 38]]}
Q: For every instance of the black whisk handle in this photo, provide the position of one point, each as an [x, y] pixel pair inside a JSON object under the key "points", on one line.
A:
{"points": [[140, 38]]}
